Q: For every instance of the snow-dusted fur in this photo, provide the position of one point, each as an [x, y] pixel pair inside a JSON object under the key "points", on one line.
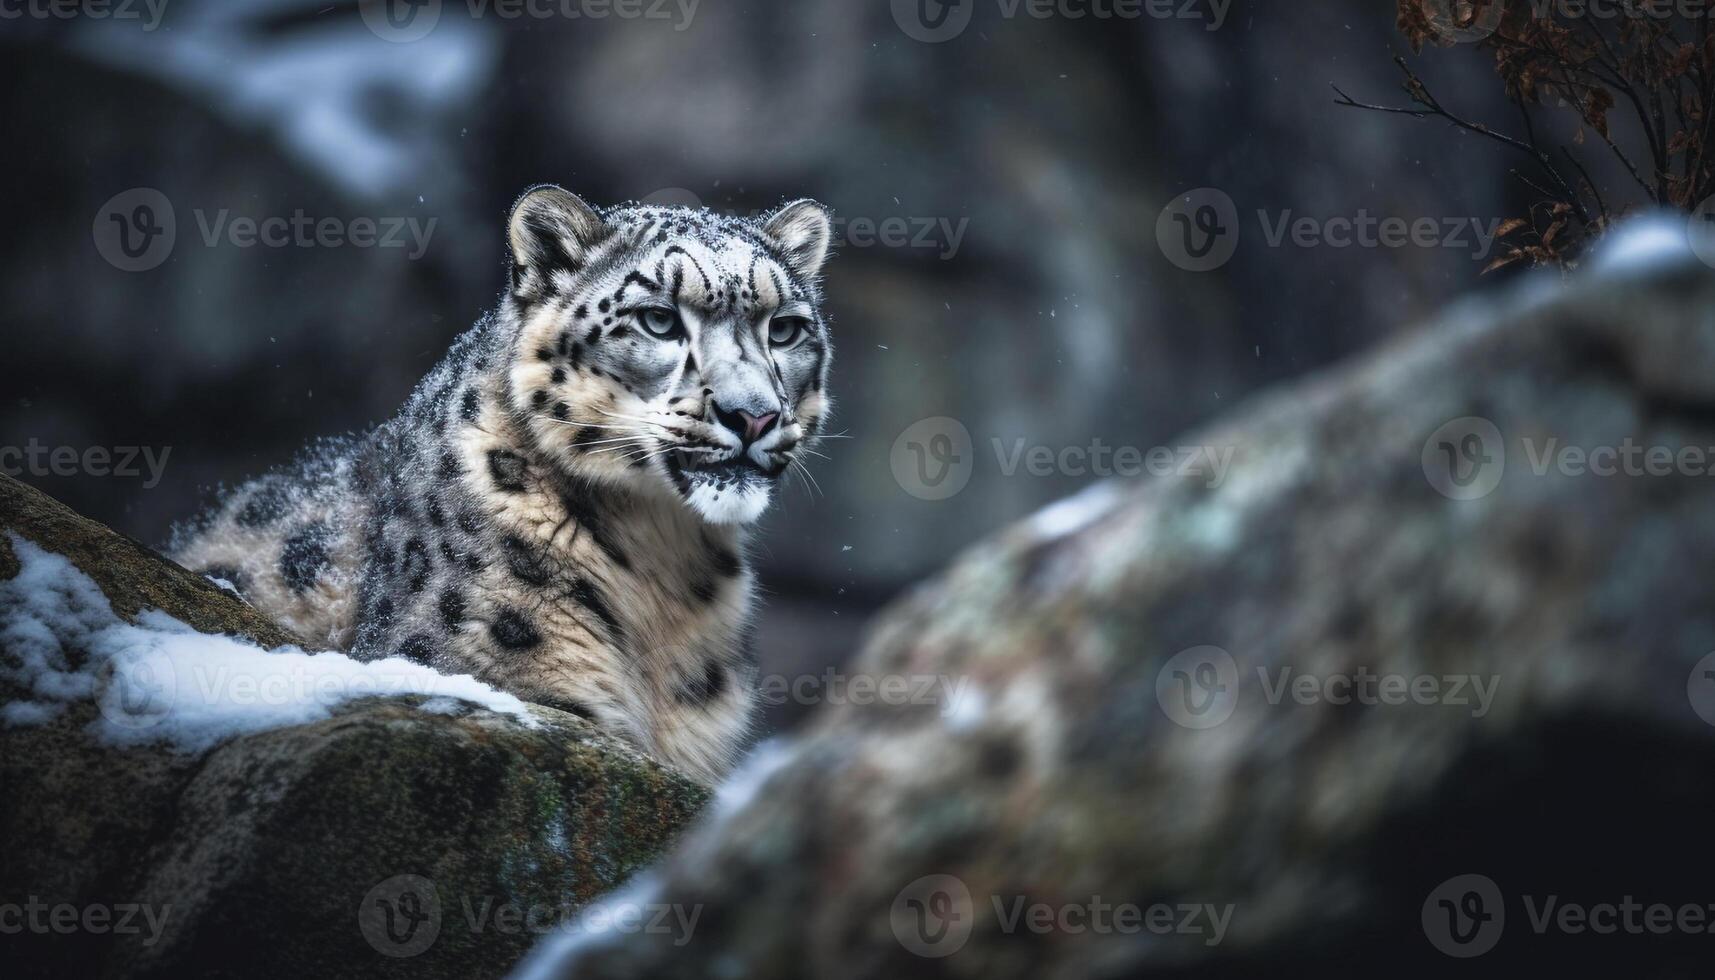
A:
{"points": [[559, 508]]}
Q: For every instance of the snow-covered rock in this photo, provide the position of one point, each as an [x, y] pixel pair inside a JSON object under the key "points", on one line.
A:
{"points": [[170, 759]]}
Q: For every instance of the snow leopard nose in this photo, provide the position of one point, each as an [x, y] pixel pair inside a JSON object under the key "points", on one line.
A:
{"points": [[746, 426]]}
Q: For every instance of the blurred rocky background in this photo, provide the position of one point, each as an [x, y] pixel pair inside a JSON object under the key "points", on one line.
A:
{"points": [[1000, 263]]}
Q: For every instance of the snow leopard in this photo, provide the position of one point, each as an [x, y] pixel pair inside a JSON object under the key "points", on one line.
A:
{"points": [[562, 505]]}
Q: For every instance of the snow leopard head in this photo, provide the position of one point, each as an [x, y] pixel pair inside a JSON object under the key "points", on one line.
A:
{"points": [[671, 348]]}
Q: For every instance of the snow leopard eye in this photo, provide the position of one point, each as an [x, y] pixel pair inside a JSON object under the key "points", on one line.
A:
{"points": [[661, 322], [784, 331]]}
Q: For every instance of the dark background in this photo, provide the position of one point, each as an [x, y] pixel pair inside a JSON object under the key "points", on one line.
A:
{"points": [[1057, 142]]}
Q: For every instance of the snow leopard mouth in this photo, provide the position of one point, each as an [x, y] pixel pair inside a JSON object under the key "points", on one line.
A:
{"points": [[702, 468]]}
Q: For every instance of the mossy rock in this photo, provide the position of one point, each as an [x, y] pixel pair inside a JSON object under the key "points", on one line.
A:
{"points": [[278, 853], [1125, 727]]}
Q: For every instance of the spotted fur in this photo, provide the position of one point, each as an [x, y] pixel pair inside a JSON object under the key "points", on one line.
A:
{"points": [[560, 507]]}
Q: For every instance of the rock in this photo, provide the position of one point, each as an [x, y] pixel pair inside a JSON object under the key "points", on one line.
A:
{"points": [[256, 857], [1111, 727]]}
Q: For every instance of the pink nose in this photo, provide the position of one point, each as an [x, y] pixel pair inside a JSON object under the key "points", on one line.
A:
{"points": [[757, 426]]}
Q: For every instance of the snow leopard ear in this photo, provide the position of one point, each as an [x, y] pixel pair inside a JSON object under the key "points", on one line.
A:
{"points": [[550, 229], [803, 229]]}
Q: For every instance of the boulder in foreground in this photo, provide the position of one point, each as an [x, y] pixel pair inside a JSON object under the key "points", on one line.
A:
{"points": [[270, 814], [1386, 702]]}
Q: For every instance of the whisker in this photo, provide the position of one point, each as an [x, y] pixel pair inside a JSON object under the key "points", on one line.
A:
{"points": [[586, 425], [602, 442], [629, 418], [621, 448], [808, 475]]}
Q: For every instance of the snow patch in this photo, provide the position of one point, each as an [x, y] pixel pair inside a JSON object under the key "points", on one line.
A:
{"points": [[159, 680], [1074, 513], [1652, 241]]}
